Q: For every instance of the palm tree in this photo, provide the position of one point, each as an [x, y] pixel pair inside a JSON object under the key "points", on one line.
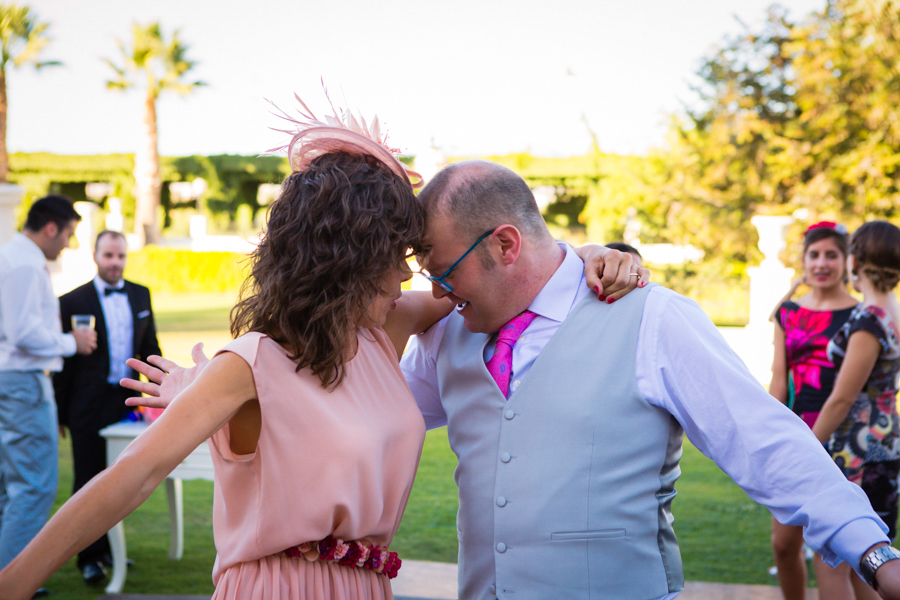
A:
{"points": [[164, 65], [21, 40]]}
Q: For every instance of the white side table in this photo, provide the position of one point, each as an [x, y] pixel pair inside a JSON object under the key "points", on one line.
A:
{"points": [[198, 465]]}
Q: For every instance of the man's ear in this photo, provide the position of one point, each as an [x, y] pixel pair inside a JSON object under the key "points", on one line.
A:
{"points": [[51, 230], [507, 242]]}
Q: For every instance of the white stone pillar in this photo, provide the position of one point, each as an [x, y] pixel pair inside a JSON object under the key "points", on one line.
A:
{"points": [[10, 197], [75, 266], [85, 231], [115, 221], [768, 283], [198, 227], [771, 279]]}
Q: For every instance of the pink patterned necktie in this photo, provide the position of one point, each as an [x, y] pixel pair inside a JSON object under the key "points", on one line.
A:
{"points": [[500, 365]]}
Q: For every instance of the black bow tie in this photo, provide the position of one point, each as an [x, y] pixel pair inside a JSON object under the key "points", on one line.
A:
{"points": [[111, 291]]}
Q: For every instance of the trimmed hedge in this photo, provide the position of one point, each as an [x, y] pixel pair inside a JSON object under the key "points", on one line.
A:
{"points": [[165, 270], [173, 271]]}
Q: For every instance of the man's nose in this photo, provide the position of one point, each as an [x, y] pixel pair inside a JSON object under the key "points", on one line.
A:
{"points": [[437, 291]]}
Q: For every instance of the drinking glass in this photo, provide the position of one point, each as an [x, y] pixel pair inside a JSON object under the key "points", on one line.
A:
{"points": [[83, 321]]}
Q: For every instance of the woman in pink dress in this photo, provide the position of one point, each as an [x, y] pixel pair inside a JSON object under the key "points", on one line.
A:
{"points": [[314, 433], [802, 374]]}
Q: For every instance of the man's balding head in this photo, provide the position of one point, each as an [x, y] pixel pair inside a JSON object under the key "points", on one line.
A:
{"points": [[463, 203], [477, 196]]}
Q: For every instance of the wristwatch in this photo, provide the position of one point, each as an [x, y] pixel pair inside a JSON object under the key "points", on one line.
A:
{"points": [[874, 559]]}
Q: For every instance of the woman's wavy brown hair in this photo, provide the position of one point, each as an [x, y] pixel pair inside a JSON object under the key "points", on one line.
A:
{"points": [[335, 231]]}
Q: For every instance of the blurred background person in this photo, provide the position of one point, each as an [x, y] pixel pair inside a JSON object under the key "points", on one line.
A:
{"points": [[32, 345], [858, 422], [802, 374], [88, 394], [623, 247]]}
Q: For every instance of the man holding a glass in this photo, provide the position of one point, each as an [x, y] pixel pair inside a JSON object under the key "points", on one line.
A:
{"points": [[32, 346], [88, 394]]}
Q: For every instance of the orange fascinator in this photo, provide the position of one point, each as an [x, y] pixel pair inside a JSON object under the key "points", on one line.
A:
{"points": [[339, 132]]}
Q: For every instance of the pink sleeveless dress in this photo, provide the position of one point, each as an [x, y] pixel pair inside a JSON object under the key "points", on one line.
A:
{"points": [[338, 463]]}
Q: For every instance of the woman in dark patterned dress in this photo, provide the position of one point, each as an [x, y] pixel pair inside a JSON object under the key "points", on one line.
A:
{"points": [[859, 422], [802, 374]]}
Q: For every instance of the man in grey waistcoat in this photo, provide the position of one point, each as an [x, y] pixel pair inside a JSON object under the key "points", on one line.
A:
{"points": [[566, 410], [568, 423]]}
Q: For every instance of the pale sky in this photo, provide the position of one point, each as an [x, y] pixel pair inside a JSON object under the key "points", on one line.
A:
{"points": [[473, 77]]}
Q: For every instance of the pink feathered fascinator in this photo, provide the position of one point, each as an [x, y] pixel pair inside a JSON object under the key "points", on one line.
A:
{"points": [[342, 132]]}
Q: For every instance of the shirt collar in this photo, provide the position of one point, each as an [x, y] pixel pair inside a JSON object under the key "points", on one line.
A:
{"points": [[102, 285], [32, 251], [558, 295]]}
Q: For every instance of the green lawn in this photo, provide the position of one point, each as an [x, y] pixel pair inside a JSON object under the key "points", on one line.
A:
{"points": [[724, 536], [147, 538], [192, 312], [182, 320]]}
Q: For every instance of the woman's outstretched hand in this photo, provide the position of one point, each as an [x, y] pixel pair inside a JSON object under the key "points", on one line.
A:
{"points": [[167, 379], [609, 273]]}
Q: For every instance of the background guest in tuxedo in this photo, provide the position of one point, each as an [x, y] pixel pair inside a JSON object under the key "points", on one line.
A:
{"points": [[88, 394]]}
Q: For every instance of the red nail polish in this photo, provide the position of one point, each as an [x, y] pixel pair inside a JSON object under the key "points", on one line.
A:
{"points": [[601, 298], [597, 290], [610, 300], [642, 284]]}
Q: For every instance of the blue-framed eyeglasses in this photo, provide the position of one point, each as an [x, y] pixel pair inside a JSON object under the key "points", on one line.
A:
{"points": [[441, 280]]}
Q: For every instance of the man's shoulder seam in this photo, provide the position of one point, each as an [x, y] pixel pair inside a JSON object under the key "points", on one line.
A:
{"points": [[137, 286], [71, 294]]}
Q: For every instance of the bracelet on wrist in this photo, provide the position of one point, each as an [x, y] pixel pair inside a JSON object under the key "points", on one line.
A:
{"points": [[873, 560]]}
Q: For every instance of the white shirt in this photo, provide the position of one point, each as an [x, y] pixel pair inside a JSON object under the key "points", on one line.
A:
{"points": [[119, 327], [684, 366], [31, 337]]}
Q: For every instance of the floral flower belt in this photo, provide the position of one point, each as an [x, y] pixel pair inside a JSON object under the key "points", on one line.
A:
{"points": [[357, 553]]}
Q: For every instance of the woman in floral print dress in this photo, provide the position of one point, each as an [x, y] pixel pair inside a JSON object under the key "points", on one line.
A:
{"points": [[858, 422], [802, 374]]}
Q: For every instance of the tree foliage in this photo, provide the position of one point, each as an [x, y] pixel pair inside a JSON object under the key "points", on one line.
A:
{"points": [[231, 180], [163, 65], [796, 114], [22, 38], [841, 152]]}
